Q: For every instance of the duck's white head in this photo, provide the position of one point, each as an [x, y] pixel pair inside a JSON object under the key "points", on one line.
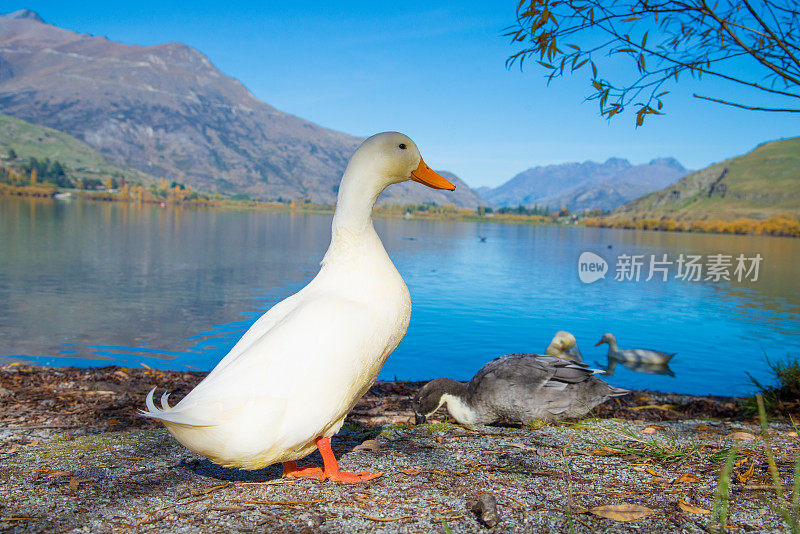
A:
{"points": [[382, 160], [389, 158]]}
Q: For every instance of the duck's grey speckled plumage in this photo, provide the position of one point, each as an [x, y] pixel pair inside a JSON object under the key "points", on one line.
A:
{"points": [[520, 388]]}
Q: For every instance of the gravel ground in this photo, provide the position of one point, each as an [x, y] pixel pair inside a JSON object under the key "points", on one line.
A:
{"points": [[79, 465]]}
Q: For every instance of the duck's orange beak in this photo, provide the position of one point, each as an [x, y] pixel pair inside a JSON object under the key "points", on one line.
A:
{"points": [[427, 176]]}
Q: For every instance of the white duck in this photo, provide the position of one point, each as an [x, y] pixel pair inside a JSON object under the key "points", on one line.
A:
{"points": [[287, 385], [564, 346], [641, 356]]}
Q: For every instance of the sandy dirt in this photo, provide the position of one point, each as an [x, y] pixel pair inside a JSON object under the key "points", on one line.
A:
{"points": [[75, 456]]}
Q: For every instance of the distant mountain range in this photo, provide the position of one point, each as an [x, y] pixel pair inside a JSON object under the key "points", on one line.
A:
{"points": [[167, 111], [761, 183], [584, 186]]}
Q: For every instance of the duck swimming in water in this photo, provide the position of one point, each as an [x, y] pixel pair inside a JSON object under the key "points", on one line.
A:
{"points": [[641, 356], [564, 346], [287, 385], [517, 388]]}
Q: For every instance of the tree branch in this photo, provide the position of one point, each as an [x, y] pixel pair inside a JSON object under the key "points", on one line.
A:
{"points": [[751, 108], [752, 52], [770, 32]]}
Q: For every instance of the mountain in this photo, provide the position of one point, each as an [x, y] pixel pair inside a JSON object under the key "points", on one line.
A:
{"points": [[32, 141], [587, 185], [759, 184], [167, 111]]}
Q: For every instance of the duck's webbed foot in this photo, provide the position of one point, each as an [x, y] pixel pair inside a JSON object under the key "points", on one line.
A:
{"points": [[331, 470], [291, 470]]}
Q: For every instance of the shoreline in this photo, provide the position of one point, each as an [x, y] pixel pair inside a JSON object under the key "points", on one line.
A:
{"points": [[76, 457], [781, 225], [25, 362], [60, 398]]}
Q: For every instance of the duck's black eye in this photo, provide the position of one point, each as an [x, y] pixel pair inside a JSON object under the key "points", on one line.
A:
{"points": [[402, 146]]}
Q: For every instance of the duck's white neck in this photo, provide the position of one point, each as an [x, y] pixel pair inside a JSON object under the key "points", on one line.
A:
{"points": [[357, 196], [612, 345], [459, 409]]}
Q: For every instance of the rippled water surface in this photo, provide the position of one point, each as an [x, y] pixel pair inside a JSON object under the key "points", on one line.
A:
{"points": [[94, 284]]}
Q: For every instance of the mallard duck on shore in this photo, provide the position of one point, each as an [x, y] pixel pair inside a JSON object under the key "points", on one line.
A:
{"points": [[285, 388], [517, 388]]}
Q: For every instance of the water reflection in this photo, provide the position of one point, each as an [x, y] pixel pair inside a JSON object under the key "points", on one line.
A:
{"points": [[638, 367], [131, 284]]}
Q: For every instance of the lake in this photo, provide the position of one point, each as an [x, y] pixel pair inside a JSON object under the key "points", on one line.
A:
{"points": [[89, 284]]}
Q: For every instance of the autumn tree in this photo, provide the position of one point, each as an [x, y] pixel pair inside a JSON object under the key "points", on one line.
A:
{"points": [[753, 44]]}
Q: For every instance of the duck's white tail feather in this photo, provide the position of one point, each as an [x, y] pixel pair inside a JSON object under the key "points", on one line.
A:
{"points": [[165, 401], [171, 414]]}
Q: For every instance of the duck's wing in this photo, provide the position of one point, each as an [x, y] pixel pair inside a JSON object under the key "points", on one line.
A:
{"points": [[260, 328], [528, 383], [531, 371], [645, 355], [298, 376]]}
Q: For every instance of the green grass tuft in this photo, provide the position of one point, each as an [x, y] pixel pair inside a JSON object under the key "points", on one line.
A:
{"points": [[783, 398]]}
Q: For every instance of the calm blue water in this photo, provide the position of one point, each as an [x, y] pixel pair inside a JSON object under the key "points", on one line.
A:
{"points": [[91, 284]]}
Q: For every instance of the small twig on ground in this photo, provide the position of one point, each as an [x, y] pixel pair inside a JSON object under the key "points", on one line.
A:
{"points": [[384, 519], [280, 503]]}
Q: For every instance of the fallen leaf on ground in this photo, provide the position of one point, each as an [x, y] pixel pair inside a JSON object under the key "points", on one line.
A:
{"points": [[686, 507], [602, 452], [654, 473], [686, 478], [73, 484], [411, 472], [744, 477], [369, 445], [741, 462], [702, 427], [792, 434], [741, 435], [651, 429], [33, 443], [622, 512]]}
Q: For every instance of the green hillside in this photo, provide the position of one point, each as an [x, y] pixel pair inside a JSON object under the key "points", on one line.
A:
{"points": [[759, 184], [82, 161]]}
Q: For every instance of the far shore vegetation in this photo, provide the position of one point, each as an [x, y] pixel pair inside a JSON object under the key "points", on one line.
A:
{"points": [[48, 179]]}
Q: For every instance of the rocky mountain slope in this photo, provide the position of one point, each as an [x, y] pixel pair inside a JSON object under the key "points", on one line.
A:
{"points": [[168, 111], [761, 183], [587, 185]]}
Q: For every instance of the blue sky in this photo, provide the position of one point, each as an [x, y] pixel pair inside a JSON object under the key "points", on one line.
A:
{"points": [[433, 70]]}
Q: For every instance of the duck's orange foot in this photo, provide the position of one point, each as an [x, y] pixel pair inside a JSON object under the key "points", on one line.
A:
{"points": [[291, 470], [330, 472], [352, 478]]}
